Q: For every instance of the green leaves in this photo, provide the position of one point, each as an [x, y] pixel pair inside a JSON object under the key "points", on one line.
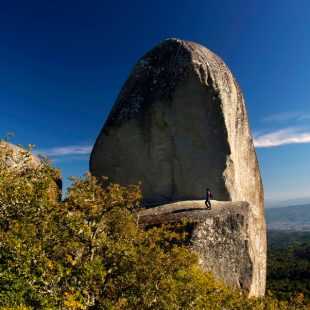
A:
{"points": [[87, 252]]}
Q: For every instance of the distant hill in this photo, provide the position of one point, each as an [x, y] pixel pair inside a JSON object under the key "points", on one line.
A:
{"points": [[287, 202], [292, 217]]}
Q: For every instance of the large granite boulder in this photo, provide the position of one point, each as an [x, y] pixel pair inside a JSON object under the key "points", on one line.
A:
{"points": [[226, 238], [180, 125]]}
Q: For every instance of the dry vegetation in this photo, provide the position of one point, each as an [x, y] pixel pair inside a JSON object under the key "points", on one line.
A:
{"points": [[87, 251]]}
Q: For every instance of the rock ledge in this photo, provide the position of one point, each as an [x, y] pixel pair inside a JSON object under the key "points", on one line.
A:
{"points": [[226, 238]]}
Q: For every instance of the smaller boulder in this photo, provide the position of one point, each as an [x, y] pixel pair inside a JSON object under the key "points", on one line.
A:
{"points": [[24, 163], [226, 238]]}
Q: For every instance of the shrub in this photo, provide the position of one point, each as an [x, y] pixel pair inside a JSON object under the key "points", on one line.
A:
{"points": [[88, 251]]}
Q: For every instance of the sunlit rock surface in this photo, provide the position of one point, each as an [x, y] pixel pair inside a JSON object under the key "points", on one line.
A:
{"points": [[24, 162], [180, 125], [227, 239]]}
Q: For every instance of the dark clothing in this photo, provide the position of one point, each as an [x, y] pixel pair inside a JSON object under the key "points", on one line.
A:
{"points": [[208, 198], [208, 204], [208, 195]]}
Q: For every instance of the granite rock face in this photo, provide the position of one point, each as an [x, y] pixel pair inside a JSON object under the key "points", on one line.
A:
{"points": [[18, 158], [180, 125], [227, 239]]}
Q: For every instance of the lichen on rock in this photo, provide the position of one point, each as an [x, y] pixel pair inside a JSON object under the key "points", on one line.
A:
{"points": [[24, 164], [225, 238], [180, 125]]}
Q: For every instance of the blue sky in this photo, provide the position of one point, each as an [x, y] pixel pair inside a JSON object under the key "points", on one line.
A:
{"points": [[62, 64]]}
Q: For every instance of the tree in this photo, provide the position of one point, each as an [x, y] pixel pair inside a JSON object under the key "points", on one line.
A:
{"points": [[88, 251]]}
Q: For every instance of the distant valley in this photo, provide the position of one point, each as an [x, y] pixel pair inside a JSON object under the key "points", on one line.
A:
{"points": [[289, 218]]}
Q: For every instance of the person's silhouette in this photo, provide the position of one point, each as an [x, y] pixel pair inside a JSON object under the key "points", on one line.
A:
{"points": [[208, 199]]}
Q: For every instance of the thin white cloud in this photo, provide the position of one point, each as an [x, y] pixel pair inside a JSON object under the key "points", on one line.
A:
{"points": [[69, 159], [282, 137], [288, 116], [65, 150], [304, 117]]}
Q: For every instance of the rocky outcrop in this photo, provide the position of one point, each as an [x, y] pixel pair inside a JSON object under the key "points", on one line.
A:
{"points": [[25, 163], [227, 239], [17, 158], [180, 125]]}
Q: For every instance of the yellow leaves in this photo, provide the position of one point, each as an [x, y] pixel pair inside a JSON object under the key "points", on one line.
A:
{"points": [[50, 264], [116, 194], [121, 303], [17, 308], [71, 301], [105, 178], [90, 247], [71, 260], [90, 198], [299, 299]]}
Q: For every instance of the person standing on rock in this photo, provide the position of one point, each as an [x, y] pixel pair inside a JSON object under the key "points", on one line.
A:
{"points": [[208, 199]]}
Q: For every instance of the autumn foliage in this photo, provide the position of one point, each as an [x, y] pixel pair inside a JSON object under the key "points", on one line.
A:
{"points": [[88, 251]]}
